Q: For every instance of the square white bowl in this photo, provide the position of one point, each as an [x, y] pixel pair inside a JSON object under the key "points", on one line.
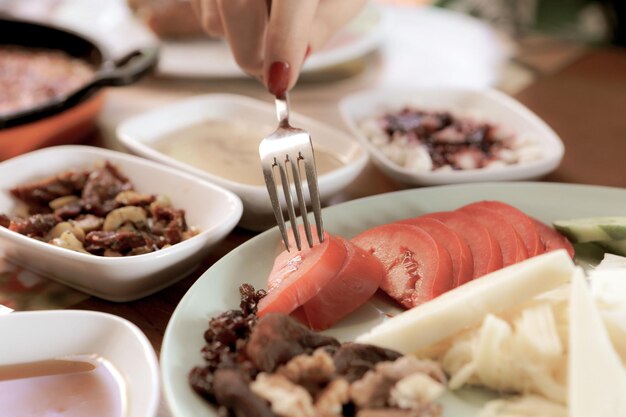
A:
{"points": [[213, 210], [488, 105], [42, 335], [140, 133]]}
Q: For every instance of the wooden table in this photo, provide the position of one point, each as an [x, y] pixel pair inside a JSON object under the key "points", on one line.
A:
{"points": [[585, 103]]}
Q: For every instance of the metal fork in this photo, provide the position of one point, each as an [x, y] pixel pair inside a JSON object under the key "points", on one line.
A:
{"points": [[291, 147]]}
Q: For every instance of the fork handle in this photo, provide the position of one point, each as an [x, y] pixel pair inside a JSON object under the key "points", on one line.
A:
{"points": [[282, 110]]}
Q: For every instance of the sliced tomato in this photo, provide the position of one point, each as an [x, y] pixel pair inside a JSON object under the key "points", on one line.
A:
{"points": [[298, 276], [417, 268], [457, 247], [552, 239], [357, 280], [511, 244], [486, 252], [522, 224]]}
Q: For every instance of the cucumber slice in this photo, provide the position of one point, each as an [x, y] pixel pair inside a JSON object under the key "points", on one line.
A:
{"points": [[593, 229], [617, 247]]}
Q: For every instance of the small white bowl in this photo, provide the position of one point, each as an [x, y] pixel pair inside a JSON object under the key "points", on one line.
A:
{"points": [[213, 210], [489, 105], [43, 335], [140, 133]]}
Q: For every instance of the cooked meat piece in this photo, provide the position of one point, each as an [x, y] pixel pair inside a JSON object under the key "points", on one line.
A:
{"points": [[277, 338], [353, 360], [232, 391], [286, 398], [169, 222], [39, 193], [202, 382], [101, 188], [120, 241], [334, 396], [69, 211], [37, 225], [371, 391]]}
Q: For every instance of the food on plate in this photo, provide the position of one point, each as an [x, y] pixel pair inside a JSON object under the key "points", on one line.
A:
{"points": [[96, 211], [532, 330], [412, 260], [34, 77], [60, 388], [609, 233], [275, 366], [229, 149], [169, 19], [422, 140], [324, 283], [466, 305], [417, 268]]}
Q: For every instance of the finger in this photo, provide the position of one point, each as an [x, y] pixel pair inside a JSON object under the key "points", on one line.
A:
{"points": [[210, 17], [244, 26], [331, 16], [286, 42]]}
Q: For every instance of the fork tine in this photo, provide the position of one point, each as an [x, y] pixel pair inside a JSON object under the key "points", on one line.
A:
{"points": [[268, 174], [289, 200], [311, 177], [301, 201]]}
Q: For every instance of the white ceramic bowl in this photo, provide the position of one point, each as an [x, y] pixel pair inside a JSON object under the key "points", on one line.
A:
{"points": [[489, 105], [42, 335], [213, 210], [140, 133]]}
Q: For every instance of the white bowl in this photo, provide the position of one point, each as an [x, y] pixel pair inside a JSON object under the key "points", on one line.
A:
{"points": [[489, 105], [43, 335], [140, 133], [213, 210]]}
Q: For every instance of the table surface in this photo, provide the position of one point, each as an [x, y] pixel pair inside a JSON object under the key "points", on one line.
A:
{"points": [[585, 103]]}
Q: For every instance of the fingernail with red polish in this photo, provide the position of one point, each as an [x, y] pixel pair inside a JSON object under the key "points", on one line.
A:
{"points": [[278, 78], [308, 52]]}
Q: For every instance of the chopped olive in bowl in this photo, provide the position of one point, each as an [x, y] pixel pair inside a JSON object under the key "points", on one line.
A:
{"points": [[110, 224]]}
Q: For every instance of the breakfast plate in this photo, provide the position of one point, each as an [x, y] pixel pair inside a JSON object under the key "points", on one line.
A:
{"points": [[216, 290]]}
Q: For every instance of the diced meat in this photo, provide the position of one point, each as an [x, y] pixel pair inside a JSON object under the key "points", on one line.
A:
{"points": [[417, 268], [552, 239], [120, 241], [457, 247], [5, 220], [278, 338], [298, 276], [233, 392], [40, 193], [522, 224], [357, 280], [101, 188], [511, 244], [353, 360], [37, 225], [485, 249]]}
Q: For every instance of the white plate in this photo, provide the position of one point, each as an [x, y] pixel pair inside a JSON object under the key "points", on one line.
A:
{"points": [[216, 290], [485, 104], [213, 58], [42, 335], [214, 210], [139, 133]]}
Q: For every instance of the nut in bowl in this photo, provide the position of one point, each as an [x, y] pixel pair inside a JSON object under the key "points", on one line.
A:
{"points": [[216, 137], [451, 135], [136, 270]]}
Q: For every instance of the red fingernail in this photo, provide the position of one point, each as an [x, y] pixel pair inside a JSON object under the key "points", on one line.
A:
{"points": [[308, 52], [278, 78]]}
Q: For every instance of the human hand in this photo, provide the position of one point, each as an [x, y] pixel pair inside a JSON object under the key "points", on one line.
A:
{"points": [[272, 45]]}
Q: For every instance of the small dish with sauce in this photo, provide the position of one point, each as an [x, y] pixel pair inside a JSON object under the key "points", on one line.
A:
{"points": [[71, 363], [216, 137]]}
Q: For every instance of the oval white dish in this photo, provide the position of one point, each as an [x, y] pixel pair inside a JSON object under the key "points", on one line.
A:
{"points": [[141, 132], [213, 210], [488, 105]]}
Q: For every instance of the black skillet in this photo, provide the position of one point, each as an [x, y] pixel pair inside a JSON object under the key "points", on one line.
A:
{"points": [[108, 72]]}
